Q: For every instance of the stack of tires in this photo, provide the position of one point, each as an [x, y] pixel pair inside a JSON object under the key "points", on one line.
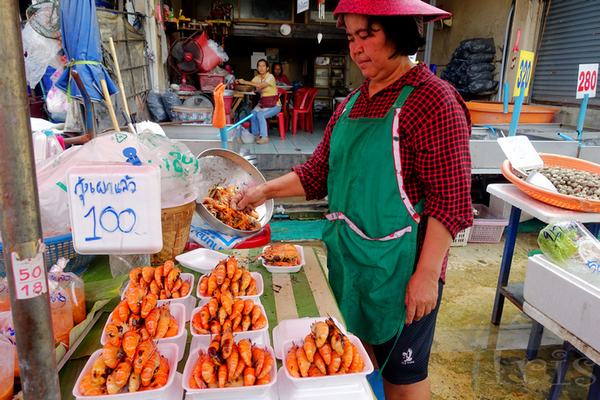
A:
{"points": [[471, 68]]}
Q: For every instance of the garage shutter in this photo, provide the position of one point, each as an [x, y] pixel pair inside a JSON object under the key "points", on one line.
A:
{"points": [[571, 37]]}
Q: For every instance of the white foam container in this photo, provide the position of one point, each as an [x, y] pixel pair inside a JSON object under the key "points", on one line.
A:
{"points": [[189, 302], [333, 380], [565, 298], [260, 287], [295, 329], [168, 350], [285, 270], [260, 336], [177, 311], [244, 392], [359, 390], [201, 260]]}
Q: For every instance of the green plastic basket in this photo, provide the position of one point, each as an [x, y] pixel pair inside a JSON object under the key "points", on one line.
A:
{"points": [[57, 247]]}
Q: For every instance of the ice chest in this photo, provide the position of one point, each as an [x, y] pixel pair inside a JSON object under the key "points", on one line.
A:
{"points": [[566, 299]]}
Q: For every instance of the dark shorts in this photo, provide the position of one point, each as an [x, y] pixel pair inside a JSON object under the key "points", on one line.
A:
{"points": [[410, 357]]}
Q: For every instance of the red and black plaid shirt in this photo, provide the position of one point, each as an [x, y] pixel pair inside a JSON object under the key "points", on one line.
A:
{"points": [[435, 126]]}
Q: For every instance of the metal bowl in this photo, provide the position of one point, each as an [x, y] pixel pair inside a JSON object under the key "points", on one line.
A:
{"points": [[227, 168]]}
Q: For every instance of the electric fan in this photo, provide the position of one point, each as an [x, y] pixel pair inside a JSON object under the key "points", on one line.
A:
{"points": [[186, 57]]}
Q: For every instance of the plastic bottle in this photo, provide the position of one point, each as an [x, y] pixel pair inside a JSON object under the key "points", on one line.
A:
{"points": [[39, 146], [62, 316], [72, 285], [53, 146], [7, 374]]}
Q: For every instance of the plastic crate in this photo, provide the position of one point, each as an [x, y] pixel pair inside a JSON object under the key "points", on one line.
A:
{"points": [[488, 226], [210, 81], [461, 238], [57, 247]]}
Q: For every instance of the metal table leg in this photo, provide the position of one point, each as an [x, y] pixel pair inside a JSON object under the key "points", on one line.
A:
{"points": [[507, 255], [561, 372], [535, 338], [594, 391]]}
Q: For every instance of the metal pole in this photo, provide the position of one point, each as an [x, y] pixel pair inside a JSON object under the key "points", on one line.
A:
{"points": [[19, 216]]}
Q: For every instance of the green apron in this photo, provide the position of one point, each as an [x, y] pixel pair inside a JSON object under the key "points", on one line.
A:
{"points": [[372, 229]]}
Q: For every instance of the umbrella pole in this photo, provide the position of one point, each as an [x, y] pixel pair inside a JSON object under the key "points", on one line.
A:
{"points": [[113, 51], [20, 219], [109, 104]]}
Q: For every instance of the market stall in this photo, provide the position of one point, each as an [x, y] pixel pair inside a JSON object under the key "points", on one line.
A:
{"points": [[286, 297]]}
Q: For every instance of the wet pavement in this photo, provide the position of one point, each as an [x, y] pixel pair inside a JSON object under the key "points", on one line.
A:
{"points": [[474, 359]]}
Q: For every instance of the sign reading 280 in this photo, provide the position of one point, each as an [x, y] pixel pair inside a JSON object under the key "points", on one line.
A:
{"points": [[524, 73], [115, 208]]}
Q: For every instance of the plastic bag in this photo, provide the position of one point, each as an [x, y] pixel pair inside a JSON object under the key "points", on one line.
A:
{"points": [[572, 247], [476, 87], [7, 330], [72, 285], [156, 107], [62, 316], [477, 58], [211, 57], [4, 297], [179, 172], [170, 100], [480, 67], [40, 52], [204, 234], [479, 45], [56, 101], [479, 76], [245, 134], [121, 264]]}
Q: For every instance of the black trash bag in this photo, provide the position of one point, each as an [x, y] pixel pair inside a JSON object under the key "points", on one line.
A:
{"points": [[155, 105], [464, 54], [450, 76], [480, 76], [481, 86], [480, 67], [479, 45], [463, 81], [170, 100], [477, 58]]}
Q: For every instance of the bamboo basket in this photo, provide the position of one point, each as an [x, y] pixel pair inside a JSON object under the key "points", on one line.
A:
{"points": [[176, 223]]}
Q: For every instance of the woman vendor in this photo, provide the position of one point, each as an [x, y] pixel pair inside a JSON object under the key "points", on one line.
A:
{"points": [[280, 77], [395, 164], [269, 104]]}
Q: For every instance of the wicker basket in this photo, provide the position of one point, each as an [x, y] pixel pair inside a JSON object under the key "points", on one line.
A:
{"points": [[176, 223], [242, 88]]}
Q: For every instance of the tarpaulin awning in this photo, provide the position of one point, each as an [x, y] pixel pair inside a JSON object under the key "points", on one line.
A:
{"points": [[82, 46]]}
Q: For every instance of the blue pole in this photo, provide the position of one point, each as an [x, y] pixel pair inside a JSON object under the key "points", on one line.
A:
{"points": [[223, 131], [505, 98], [516, 113], [582, 115]]}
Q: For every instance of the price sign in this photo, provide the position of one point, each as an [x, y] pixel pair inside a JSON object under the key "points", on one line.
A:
{"points": [[302, 6], [523, 73], [115, 208], [520, 152], [587, 80], [30, 279]]}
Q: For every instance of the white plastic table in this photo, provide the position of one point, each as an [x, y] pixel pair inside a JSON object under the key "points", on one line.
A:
{"points": [[521, 201]]}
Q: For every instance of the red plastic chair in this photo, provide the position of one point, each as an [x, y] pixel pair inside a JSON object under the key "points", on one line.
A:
{"points": [[282, 121], [304, 109]]}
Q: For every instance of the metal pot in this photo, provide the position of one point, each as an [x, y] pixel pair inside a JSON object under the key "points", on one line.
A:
{"points": [[227, 168]]}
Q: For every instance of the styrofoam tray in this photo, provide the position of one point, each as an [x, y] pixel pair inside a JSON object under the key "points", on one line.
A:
{"points": [[330, 381], [359, 390], [258, 336], [295, 329], [244, 392], [289, 270], [260, 286], [168, 350], [177, 311], [201, 260], [188, 301]]}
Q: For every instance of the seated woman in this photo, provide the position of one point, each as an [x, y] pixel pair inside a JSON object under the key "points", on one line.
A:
{"points": [[269, 104], [280, 77]]}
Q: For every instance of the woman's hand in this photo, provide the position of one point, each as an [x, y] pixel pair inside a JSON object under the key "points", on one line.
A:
{"points": [[251, 197], [421, 296], [242, 81]]}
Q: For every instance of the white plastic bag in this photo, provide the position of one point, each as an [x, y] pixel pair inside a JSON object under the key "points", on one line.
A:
{"points": [[179, 172], [247, 136], [205, 235], [40, 52], [56, 100]]}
